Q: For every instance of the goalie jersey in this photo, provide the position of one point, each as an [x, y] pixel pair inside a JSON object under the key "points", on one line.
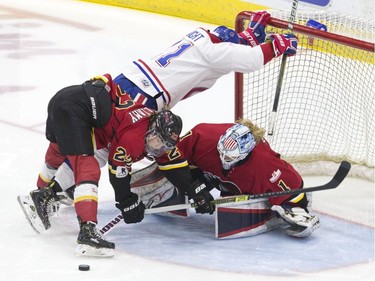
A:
{"points": [[262, 171], [190, 66]]}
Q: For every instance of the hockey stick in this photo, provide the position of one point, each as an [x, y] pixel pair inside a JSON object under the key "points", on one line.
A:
{"points": [[340, 175], [272, 120]]}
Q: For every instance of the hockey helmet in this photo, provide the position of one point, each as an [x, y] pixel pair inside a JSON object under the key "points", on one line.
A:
{"points": [[163, 132], [226, 34], [235, 145]]}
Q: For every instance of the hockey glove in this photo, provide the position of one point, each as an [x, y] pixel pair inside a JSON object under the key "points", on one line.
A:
{"points": [[283, 44], [202, 197], [132, 209], [255, 33], [301, 223]]}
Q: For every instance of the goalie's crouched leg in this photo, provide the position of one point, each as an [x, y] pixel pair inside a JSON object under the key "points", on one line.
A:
{"points": [[302, 224], [296, 212], [166, 195]]}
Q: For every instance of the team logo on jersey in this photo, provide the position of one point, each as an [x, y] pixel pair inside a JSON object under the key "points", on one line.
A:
{"points": [[145, 82], [222, 185], [121, 172], [275, 176]]}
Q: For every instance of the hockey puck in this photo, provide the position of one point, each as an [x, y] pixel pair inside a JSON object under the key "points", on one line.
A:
{"points": [[84, 267]]}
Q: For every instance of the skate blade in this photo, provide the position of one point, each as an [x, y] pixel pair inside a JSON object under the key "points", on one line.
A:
{"points": [[28, 208], [83, 250]]}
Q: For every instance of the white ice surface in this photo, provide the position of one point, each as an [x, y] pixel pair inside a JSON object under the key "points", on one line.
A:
{"points": [[47, 45]]}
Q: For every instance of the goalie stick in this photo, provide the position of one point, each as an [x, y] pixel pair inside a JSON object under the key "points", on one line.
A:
{"points": [[340, 175], [272, 120]]}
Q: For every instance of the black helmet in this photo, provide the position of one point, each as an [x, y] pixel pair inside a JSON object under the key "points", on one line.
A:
{"points": [[167, 126]]}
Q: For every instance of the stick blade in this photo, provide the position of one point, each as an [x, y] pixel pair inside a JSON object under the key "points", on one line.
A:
{"points": [[341, 173]]}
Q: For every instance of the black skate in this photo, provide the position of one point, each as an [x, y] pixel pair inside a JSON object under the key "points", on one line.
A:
{"points": [[38, 206], [45, 204], [28, 208], [92, 243]]}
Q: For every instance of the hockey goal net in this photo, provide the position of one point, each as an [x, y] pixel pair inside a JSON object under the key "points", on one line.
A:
{"points": [[327, 100]]}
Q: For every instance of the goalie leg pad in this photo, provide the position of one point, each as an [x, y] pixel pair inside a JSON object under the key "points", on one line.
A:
{"points": [[161, 196], [245, 220], [301, 223], [147, 180], [155, 190], [166, 195]]}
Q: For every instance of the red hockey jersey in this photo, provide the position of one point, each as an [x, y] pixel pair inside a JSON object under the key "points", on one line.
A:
{"points": [[264, 171], [124, 134]]}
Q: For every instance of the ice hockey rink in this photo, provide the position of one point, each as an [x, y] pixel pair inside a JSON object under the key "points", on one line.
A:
{"points": [[48, 45]]}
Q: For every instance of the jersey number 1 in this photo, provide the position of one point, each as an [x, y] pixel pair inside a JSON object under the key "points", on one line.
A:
{"points": [[165, 59]]}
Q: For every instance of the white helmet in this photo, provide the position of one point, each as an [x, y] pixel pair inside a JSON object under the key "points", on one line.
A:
{"points": [[235, 145]]}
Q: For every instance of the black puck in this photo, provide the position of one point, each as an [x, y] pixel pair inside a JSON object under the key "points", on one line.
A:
{"points": [[84, 267]]}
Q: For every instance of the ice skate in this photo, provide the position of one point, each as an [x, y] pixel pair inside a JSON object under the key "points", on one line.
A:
{"points": [[92, 243], [28, 208], [45, 204]]}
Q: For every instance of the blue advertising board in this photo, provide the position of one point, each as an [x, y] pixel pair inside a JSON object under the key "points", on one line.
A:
{"points": [[321, 3]]}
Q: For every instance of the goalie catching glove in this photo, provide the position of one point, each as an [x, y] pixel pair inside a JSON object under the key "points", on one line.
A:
{"points": [[132, 209], [201, 196], [301, 223]]}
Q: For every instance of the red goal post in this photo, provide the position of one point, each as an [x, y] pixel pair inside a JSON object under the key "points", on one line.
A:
{"points": [[326, 110]]}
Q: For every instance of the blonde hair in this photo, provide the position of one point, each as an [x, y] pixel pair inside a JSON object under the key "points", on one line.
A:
{"points": [[257, 132]]}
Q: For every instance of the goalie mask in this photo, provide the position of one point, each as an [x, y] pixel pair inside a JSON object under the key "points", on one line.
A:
{"points": [[163, 133], [235, 145]]}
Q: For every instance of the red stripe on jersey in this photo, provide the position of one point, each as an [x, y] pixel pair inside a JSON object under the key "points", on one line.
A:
{"points": [[140, 99], [157, 79]]}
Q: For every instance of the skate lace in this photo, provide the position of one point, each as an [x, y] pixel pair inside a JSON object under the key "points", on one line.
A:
{"points": [[94, 232]]}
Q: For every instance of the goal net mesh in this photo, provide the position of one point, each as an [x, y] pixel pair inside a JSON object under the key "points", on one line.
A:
{"points": [[327, 100]]}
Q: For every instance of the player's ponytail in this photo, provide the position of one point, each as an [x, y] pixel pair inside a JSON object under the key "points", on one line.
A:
{"points": [[257, 132]]}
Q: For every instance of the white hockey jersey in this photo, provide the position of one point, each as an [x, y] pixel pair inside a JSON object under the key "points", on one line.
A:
{"points": [[190, 66]]}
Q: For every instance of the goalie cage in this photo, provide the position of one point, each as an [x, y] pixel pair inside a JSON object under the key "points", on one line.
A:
{"points": [[326, 108]]}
